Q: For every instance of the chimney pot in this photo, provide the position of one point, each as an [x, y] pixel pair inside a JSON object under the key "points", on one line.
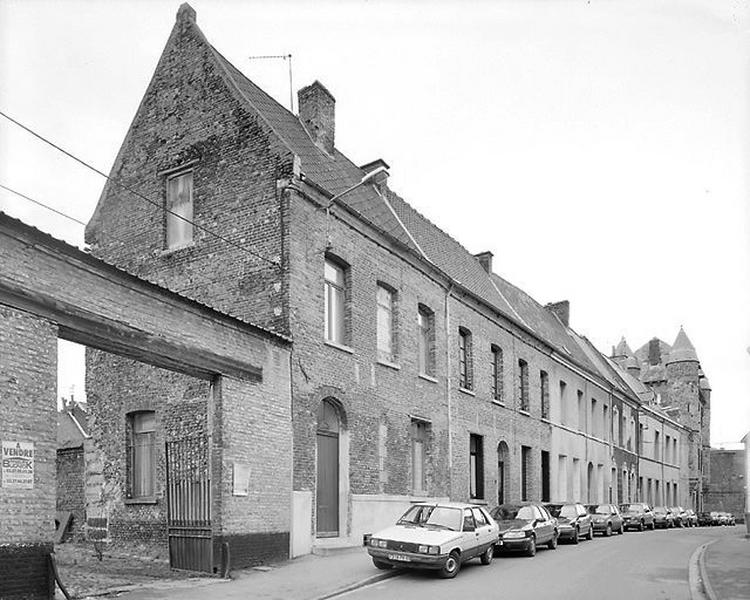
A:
{"points": [[317, 111], [485, 259], [561, 309]]}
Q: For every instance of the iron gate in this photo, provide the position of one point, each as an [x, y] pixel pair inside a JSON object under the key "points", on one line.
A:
{"points": [[189, 505]]}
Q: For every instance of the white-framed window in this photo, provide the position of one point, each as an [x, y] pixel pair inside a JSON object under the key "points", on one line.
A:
{"points": [[335, 302], [385, 324], [141, 455], [179, 210], [418, 455], [426, 341]]}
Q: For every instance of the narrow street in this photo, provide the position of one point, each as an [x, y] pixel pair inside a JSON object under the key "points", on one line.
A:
{"points": [[648, 565]]}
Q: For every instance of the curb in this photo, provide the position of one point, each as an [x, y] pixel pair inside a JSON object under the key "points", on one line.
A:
{"points": [[360, 584], [698, 582]]}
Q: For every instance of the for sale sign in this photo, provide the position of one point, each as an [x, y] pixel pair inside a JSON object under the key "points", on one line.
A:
{"points": [[18, 465]]}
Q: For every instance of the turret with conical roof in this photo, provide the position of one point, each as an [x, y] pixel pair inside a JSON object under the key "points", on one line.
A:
{"points": [[682, 349], [626, 359]]}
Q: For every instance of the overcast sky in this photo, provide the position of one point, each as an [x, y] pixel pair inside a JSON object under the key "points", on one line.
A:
{"points": [[600, 149]]}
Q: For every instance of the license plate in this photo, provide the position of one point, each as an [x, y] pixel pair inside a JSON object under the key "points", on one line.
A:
{"points": [[399, 557]]}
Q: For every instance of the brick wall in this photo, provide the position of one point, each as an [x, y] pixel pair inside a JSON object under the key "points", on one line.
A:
{"points": [[28, 353], [70, 489], [726, 488]]}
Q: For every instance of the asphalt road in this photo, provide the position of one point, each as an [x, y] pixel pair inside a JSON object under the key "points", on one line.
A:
{"points": [[652, 565]]}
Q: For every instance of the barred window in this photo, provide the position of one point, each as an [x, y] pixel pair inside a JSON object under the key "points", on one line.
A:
{"points": [[141, 463]]}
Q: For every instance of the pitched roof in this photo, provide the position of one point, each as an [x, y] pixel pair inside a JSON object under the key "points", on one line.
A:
{"points": [[623, 349], [682, 349], [392, 215]]}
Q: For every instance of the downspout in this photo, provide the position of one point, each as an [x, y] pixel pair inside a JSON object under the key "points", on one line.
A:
{"points": [[446, 316]]}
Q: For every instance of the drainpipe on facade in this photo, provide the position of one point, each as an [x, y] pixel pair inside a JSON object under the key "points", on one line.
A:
{"points": [[448, 292]]}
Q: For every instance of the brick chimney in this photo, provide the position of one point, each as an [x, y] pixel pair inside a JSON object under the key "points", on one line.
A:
{"points": [[561, 309], [485, 259], [654, 352], [317, 111]]}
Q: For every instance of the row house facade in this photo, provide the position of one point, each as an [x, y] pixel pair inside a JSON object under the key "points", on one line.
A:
{"points": [[416, 371]]}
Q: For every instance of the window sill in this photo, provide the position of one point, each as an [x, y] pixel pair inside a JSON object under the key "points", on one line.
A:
{"points": [[524, 412], [142, 500], [427, 377], [176, 249], [546, 420], [467, 391], [389, 364], [480, 501], [338, 346], [498, 403]]}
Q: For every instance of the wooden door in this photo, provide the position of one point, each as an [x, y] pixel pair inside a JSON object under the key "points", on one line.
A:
{"points": [[328, 484]]}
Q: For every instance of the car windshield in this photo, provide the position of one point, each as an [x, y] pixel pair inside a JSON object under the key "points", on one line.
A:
{"points": [[508, 512], [568, 511], [445, 517], [602, 509], [416, 515]]}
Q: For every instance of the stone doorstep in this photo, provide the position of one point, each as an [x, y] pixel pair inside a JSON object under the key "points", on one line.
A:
{"points": [[329, 546]]}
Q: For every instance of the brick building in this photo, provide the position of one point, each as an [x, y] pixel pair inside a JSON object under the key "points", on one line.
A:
{"points": [[72, 434], [727, 485], [678, 387], [416, 371]]}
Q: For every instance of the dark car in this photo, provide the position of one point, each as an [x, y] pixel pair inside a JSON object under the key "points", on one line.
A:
{"points": [[573, 521], [663, 517], [525, 526], [705, 519], [606, 518], [637, 515]]}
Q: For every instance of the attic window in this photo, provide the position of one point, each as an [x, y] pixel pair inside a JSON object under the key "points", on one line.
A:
{"points": [[179, 205]]}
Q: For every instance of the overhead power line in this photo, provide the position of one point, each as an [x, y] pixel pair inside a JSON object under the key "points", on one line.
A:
{"points": [[135, 192]]}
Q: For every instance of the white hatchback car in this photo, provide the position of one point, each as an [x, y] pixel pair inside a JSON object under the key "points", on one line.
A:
{"points": [[438, 536]]}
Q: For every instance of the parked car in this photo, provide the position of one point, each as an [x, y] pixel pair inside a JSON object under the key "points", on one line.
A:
{"points": [[692, 518], [715, 517], [439, 536], [525, 526], [732, 520], [573, 521], [704, 519], [606, 518], [637, 515], [663, 517], [679, 516]]}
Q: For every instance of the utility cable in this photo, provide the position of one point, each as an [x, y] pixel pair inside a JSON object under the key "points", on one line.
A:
{"points": [[135, 192]]}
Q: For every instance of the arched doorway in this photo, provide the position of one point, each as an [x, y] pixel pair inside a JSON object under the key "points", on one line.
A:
{"points": [[590, 483], [327, 489], [502, 472]]}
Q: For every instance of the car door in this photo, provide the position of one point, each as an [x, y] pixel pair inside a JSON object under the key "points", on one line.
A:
{"points": [[484, 529], [584, 518], [542, 526], [469, 536], [616, 517]]}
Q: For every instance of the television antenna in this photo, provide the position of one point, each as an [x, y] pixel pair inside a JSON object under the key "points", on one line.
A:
{"points": [[288, 58]]}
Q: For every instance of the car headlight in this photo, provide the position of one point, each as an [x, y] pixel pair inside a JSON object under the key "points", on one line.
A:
{"points": [[514, 535], [382, 544], [433, 550], [374, 542]]}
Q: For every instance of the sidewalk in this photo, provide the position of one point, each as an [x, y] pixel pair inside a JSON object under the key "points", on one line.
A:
{"points": [[726, 564], [306, 578]]}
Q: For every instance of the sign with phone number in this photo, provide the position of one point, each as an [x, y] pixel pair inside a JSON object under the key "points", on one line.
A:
{"points": [[18, 465]]}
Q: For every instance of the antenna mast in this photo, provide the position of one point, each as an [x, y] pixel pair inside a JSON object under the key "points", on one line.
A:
{"points": [[287, 57]]}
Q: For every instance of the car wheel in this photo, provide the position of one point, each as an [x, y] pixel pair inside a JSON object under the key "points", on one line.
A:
{"points": [[652, 526], [640, 526], [452, 566], [487, 555], [384, 566], [552, 544], [608, 531], [531, 548], [576, 536], [622, 529]]}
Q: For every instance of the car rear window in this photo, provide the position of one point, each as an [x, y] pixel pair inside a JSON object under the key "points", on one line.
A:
{"points": [[602, 509], [508, 512]]}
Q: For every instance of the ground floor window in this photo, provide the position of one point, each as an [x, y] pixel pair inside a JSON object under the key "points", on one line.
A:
{"points": [[141, 454], [476, 466]]}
